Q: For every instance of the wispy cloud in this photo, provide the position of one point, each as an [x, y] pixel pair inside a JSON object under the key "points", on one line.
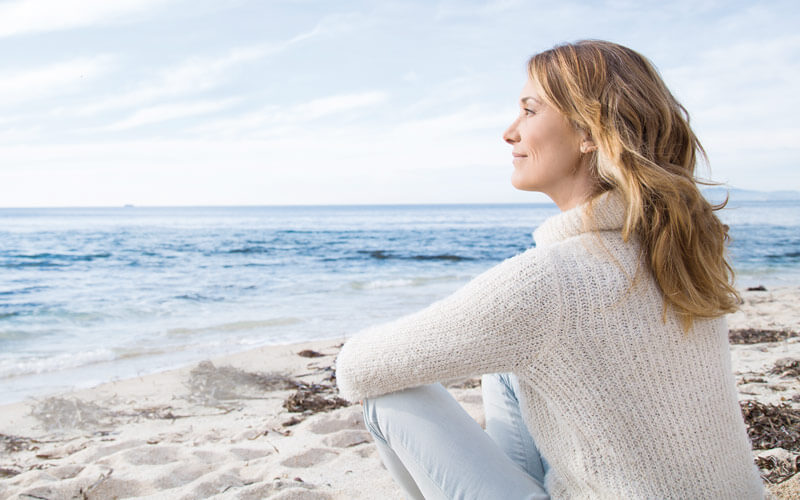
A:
{"points": [[57, 78], [337, 104], [157, 114], [35, 16], [282, 121], [193, 75]]}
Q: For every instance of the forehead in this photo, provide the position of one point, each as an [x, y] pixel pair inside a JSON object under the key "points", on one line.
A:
{"points": [[533, 91]]}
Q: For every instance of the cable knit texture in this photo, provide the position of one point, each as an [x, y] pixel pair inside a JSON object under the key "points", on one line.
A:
{"points": [[621, 403]]}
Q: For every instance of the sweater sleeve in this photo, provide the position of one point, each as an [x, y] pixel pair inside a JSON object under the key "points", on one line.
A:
{"points": [[494, 323]]}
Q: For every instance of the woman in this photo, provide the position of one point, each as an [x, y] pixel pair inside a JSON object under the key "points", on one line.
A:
{"points": [[607, 341]]}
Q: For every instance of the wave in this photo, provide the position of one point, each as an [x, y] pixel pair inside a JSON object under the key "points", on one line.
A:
{"points": [[250, 250], [385, 254], [401, 282], [61, 256], [235, 326], [48, 259], [33, 365], [787, 256], [196, 297]]}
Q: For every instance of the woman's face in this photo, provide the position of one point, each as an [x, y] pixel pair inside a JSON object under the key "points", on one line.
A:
{"points": [[547, 151]]}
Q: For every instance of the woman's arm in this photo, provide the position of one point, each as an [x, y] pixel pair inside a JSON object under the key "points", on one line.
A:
{"points": [[492, 324]]}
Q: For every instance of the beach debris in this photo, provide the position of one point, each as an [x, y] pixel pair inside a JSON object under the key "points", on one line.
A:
{"points": [[757, 336], [777, 465], [292, 421], [210, 384], [13, 444], [786, 367], [759, 288], [308, 353], [772, 426], [6, 472], [470, 383], [314, 398]]}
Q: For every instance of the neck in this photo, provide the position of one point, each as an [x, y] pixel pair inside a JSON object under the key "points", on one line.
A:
{"points": [[569, 199]]}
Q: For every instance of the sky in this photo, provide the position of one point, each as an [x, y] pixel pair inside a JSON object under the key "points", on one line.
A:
{"points": [[276, 102]]}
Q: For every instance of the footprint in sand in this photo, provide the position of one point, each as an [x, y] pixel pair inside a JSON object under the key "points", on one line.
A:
{"points": [[281, 490], [152, 455], [65, 471], [183, 474], [300, 494], [111, 449], [347, 438], [223, 482], [309, 458], [209, 457], [337, 421], [111, 488], [248, 454]]}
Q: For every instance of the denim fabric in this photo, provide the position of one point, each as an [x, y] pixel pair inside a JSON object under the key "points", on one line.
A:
{"points": [[435, 450]]}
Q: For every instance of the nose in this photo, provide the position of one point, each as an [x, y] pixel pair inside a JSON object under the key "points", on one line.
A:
{"points": [[511, 135]]}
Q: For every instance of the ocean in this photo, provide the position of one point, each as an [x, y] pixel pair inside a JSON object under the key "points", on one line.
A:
{"points": [[89, 295]]}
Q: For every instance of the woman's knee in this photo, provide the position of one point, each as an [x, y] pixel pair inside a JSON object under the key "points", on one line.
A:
{"points": [[377, 410]]}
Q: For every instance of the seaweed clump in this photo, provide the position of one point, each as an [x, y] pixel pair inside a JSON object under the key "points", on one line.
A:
{"points": [[786, 367], [777, 469], [774, 426], [757, 336], [13, 444], [314, 398]]}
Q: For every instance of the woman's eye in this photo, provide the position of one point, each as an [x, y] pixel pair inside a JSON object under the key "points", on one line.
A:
{"points": [[528, 112]]}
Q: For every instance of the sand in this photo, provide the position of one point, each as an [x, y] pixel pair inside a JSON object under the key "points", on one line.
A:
{"points": [[221, 429]]}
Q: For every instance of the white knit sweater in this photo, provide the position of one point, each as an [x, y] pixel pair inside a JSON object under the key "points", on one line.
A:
{"points": [[621, 404]]}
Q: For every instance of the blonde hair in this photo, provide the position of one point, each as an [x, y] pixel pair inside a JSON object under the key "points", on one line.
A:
{"points": [[647, 151]]}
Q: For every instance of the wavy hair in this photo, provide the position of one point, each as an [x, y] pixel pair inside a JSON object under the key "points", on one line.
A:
{"points": [[646, 151]]}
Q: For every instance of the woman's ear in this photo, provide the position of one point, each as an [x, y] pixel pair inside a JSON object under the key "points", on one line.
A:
{"points": [[587, 143]]}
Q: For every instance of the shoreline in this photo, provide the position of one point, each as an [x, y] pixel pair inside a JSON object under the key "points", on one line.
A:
{"points": [[225, 427]]}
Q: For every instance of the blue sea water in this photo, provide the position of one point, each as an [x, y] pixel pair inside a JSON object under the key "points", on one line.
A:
{"points": [[91, 295]]}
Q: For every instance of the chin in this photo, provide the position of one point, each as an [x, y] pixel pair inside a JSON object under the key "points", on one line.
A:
{"points": [[522, 186]]}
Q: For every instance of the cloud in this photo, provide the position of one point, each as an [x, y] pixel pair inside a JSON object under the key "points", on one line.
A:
{"points": [[57, 78], [36, 16], [166, 112], [193, 75], [337, 104], [282, 121]]}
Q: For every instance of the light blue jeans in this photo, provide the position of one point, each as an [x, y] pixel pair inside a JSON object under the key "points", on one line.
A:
{"points": [[435, 450]]}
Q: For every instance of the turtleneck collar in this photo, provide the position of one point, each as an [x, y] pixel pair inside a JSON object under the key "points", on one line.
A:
{"points": [[607, 214]]}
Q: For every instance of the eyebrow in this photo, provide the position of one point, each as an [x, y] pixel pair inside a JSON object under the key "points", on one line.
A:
{"points": [[530, 98]]}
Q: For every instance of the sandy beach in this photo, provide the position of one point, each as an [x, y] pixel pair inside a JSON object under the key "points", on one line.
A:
{"points": [[267, 423]]}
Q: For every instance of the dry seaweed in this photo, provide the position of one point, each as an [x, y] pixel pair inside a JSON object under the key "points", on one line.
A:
{"points": [[771, 426], [314, 398], [13, 444], [775, 470], [786, 367], [6, 472], [208, 383], [308, 353], [757, 336], [470, 383], [754, 380]]}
